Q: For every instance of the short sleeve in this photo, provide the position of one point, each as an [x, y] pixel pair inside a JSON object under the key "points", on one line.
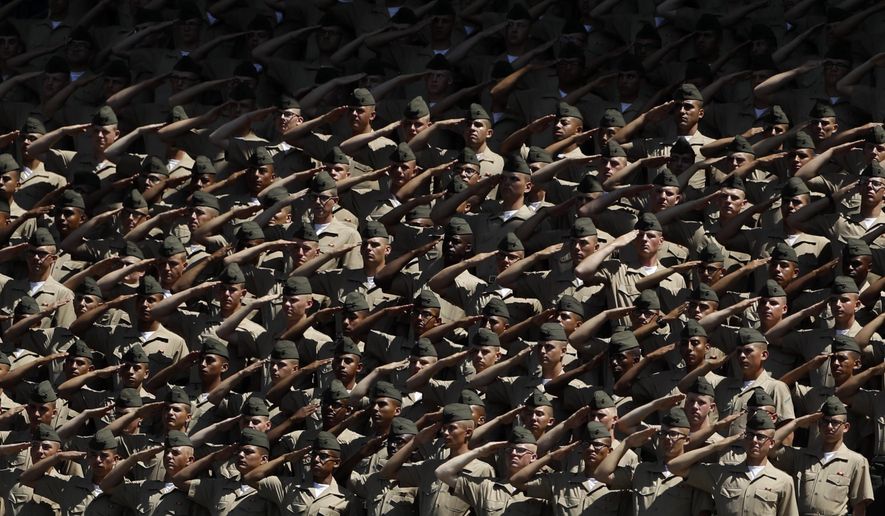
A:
{"points": [[541, 487], [410, 475], [271, 488], [203, 491], [861, 484], [127, 494], [622, 478], [864, 402], [702, 476], [469, 489]]}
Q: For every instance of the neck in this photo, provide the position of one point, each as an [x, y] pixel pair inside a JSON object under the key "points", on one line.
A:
{"points": [[753, 375], [702, 425], [371, 269], [209, 384], [767, 324], [148, 326], [325, 219], [828, 447], [789, 230], [480, 148], [687, 132], [41, 276], [516, 50], [844, 323], [460, 450], [326, 480], [550, 372], [870, 212], [761, 461], [512, 204], [648, 261]]}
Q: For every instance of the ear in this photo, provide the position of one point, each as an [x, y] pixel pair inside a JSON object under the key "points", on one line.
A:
{"points": [[701, 113], [224, 367], [398, 411], [551, 422], [764, 355], [528, 186], [490, 132]]}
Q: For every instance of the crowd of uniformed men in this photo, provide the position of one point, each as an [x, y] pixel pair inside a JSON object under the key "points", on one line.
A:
{"points": [[480, 257]]}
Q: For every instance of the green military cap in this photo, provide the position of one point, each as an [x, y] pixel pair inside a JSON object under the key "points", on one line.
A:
{"points": [[793, 187], [176, 438], [833, 406], [42, 393], [402, 154], [496, 307], [519, 12], [760, 420], [135, 355], [403, 426], [612, 118], [566, 109], [284, 350], [336, 156], [104, 116], [515, 163], [783, 251], [538, 155], [537, 399], [734, 183], [477, 112], [274, 195], [214, 346], [589, 184], [583, 227], [740, 144], [612, 149], [485, 337], [844, 285], [711, 253], [249, 230], [8, 163], [647, 300], [206, 200], [416, 108], [4, 206], [675, 418], [622, 341], [33, 126], [568, 303], [4, 359], [286, 101], [648, 222], [335, 392], [522, 435], [702, 386], [596, 430], [666, 178], [346, 346], [80, 349], [374, 229], [822, 110], [800, 140], [856, 247], [424, 348], [845, 343], [874, 169], [177, 115], [469, 397], [297, 286], [128, 398], [681, 146], [458, 226], [692, 329], [252, 437], [304, 232], [41, 237], [203, 165], [760, 398], [387, 390], [876, 136], [255, 406], [510, 243], [418, 212], [751, 336], [361, 97], [154, 165], [468, 157], [72, 199], [326, 441], [231, 275], [171, 246], [456, 412], [44, 432], [687, 91], [355, 302], [323, 182], [26, 305], [103, 440], [703, 292], [426, 299], [776, 115], [177, 395], [260, 157], [149, 286], [600, 400], [132, 250], [552, 332]]}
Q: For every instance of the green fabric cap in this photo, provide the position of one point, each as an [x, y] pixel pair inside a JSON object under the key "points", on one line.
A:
{"points": [[687, 91], [424, 348], [800, 140], [232, 275], [783, 251], [284, 350], [568, 303], [44, 432], [612, 118], [469, 397], [740, 144], [41, 237], [26, 305], [522, 435], [336, 156], [845, 343], [80, 349], [288, 102], [177, 115], [601, 400], [856, 247], [203, 165], [711, 253], [648, 222], [418, 212], [176, 438], [477, 112], [468, 157], [260, 157], [8, 163], [538, 155], [248, 231], [135, 355], [496, 307], [647, 300], [387, 390], [323, 182], [42, 393], [734, 183], [346, 346], [71, 199], [537, 399], [519, 12], [485, 337], [702, 386], [750, 336], [458, 226], [843, 285], [589, 184], [675, 418], [149, 286], [4, 359], [596, 430], [426, 299], [565, 109], [154, 165], [273, 196], [456, 412], [416, 108], [355, 302], [326, 441], [297, 286], [510, 244], [104, 116], [822, 110], [374, 229], [402, 154], [874, 169], [583, 227], [304, 232], [692, 329], [681, 146], [255, 406], [760, 398], [552, 332], [252, 437], [177, 395], [403, 426], [622, 341], [171, 246], [335, 392], [612, 149], [876, 136], [666, 178], [703, 292], [776, 115], [361, 97], [103, 440], [760, 420], [214, 346], [206, 200], [33, 126], [833, 406], [793, 187], [515, 163], [128, 398]]}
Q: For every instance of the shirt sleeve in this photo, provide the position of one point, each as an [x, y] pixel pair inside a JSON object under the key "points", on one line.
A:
{"points": [[127, 494], [470, 490], [541, 487], [864, 402], [702, 476], [622, 478], [861, 488], [787, 505], [271, 488], [202, 491]]}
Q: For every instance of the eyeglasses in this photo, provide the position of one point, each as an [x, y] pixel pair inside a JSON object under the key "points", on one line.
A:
{"points": [[756, 437], [874, 184], [598, 445], [324, 457], [322, 198], [518, 450], [672, 435], [828, 421]]}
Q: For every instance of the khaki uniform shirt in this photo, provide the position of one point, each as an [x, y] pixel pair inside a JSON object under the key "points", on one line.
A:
{"points": [[383, 497], [491, 497], [338, 235], [573, 494], [732, 396], [225, 497], [50, 292], [621, 290], [295, 499], [434, 496], [734, 492], [871, 403], [656, 492], [153, 497], [76, 495]]}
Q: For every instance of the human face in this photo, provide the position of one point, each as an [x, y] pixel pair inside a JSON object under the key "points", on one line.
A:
{"points": [[411, 128], [361, 118], [41, 413], [10, 46], [346, 367], [693, 350], [822, 128], [9, 181], [606, 416], [771, 310], [569, 321], [648, 243], [84, 303], [171, 269], [287, 118], [177, 458], [181, 80], [144, 305], [76, 366], [537, 419], [260, 423], [843, 307], [329, 39], [438, 82], [872, 191], [569, 71], [133, 374], [687, 114], [582, 247], [25, 141], [419, 363], [213, 366], [483, 357], [456, 434], [176, 416], [757, 443], [663, 197], [259, 178], [790, 205], [282, 368], [671, 441], [698, 308], [514, 186], [250, 457], [383, 411], [698, 408], [504, 260], [843, 365], [43, 449], [495, 323], [622, 362], [333, 412], [517, 32], [68, 218], [711, 272], [628, 83], [457, 247], [128, 219], [706, 43], [53, 83], [782, 271], [566, 126], [520, 456], [374, 250], [323, 463], [835, 69], [832, 428], [750, 359], [731, 202], [874, 151], [476, 133], [857, 267], [401, 173], [321, 206], [352, 318], [103, 136], [597, 450], [102, 462], [800, 157], [395, 442], [199, 216], [739, 159], [468, 173], [296, 306], [229, 296], [40, 260], [304, 250], [612, 165], [424, 319], [550, 352], [441, 27], [680, 162]]}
